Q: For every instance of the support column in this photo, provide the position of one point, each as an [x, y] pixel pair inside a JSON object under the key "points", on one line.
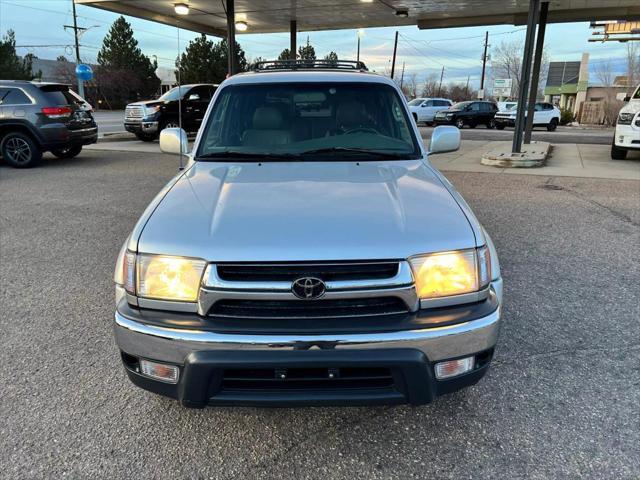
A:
{"points": [[231, 37], [525, 73], [535, 74], [293, 27]]}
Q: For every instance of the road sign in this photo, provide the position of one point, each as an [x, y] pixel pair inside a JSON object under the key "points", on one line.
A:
{"points": [[502, 87]]}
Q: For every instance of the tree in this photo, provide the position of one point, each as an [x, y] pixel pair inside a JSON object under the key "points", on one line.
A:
{"points": [[124, 73], [307, 52], [285, 54], [506, 62], [196, 64], [331, 58], [633, 66], [61, 58], [221, 53], [11, 66], [430, 86]]}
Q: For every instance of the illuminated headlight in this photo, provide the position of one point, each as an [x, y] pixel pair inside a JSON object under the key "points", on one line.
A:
{"points": [[162, 277], [445, 274], [625, 118]]}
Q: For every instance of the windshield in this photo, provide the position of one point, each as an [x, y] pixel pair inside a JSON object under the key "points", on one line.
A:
{"points": [[173, 94], [461, 105], [309, 121], [416, 101]]}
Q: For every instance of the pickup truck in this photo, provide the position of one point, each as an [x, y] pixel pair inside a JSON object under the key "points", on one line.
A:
{"points": [[627, 133], [307, 254]]}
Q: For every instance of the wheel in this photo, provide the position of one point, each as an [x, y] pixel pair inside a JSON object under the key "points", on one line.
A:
{"points": [[146, 137], [617, 153], [491, 125], [460, 123], [20, 151], [499, 126], [68, 152], [171, 123], [552, 125]]}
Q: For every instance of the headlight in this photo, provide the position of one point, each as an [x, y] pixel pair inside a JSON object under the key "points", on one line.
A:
{"points": [[625, 118], [163, 277], [449, 115], [151, 110], [451, 273]]}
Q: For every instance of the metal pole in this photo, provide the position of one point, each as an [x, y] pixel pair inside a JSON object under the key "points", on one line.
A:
{"points": [[535, 74], [75, 35], [484, 59], [231, 36], [525, 73], [440, 86], [358, 54], [293, 36], [180, 165], [395, 49]]}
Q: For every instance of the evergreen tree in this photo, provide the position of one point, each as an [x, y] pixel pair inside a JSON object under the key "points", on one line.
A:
{"points": [[221, 59], [196, 64], [331, 58], [307, 52], [11, 66], [285, 54], [124, 72]]}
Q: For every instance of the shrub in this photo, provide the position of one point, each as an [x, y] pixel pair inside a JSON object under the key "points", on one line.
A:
{"points": [[566, 116]]}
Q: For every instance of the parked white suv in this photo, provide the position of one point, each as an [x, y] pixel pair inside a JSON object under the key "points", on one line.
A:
{"points": [[308, 254], [424, 109], [627, 133], [545, 115]]}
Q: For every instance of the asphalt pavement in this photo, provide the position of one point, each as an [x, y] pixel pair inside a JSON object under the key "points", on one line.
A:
{"points": [[560, 401], [109, 122]]}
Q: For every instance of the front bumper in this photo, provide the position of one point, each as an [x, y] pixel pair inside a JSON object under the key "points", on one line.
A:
{"points": [[627, 136], [141, 126], [444, 121], [507, 122], [206, 357]]}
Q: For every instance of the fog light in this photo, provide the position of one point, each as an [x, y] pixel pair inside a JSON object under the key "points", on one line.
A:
{"points": [[159, 371], [453, 368]]}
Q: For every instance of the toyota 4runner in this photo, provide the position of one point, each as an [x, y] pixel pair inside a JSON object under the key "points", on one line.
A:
{"points": [[308, 253]]}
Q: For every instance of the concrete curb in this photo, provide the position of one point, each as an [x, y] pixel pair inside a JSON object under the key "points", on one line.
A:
{"points": [[532, 156], [116, 137]]}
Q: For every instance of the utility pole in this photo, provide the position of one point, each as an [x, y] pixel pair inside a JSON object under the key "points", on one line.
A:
{"points": [[467, 87], [76, 34], [395, 49], [402, 76], [484, 61], [440, 86]]}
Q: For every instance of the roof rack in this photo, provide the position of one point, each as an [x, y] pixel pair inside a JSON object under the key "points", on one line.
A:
{"points": [[308, 65]]}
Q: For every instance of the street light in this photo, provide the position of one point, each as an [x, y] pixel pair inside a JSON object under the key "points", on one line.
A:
{"points": [[360, 34]]}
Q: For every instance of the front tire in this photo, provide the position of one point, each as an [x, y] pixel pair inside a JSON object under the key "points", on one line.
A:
{"points": [[460, 123], [68, 152], [20, 151], [553, 124], [491, 125], [618, 153]]}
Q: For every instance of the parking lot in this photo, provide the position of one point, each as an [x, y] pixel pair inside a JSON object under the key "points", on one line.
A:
{"points": [[560, 401]]}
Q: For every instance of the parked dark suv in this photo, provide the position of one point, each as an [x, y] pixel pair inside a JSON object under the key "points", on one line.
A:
{"points": [[469, 113], [147, 118], [41, 117]]}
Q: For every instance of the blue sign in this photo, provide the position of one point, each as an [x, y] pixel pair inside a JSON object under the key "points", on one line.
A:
{"points": [[84, 72]]}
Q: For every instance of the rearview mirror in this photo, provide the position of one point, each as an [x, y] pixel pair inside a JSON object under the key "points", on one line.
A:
{"points": [[444, 139], [174, 140]]}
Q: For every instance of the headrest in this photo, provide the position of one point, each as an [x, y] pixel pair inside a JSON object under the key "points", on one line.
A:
{"points": [[267, 118]]}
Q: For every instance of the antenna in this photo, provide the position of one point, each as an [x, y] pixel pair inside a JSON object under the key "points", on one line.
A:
{"points": [[180, 166]]}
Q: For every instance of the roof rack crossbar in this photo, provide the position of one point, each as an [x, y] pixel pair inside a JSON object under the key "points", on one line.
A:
{"points": [[308, 65]]}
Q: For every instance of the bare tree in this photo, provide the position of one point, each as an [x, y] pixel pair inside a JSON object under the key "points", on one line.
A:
{"points": [[604, 73], [633, 66], [506, 61], [430, 86]]}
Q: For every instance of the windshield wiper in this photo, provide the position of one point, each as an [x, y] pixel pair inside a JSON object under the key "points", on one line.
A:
{"points": [[249, 156], [358, 151]]}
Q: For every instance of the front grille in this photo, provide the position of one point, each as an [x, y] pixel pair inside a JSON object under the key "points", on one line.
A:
{"points": [[314, 379], [290, 272], [134, 112], [308, 309]]}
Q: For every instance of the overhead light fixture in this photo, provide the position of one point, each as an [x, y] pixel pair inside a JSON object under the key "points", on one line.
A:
{"points": [[181, 8], [242, 26], [402, 13], [366, 1]]}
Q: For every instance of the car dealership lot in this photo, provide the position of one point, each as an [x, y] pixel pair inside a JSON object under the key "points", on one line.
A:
{"points": [[561, 400]]}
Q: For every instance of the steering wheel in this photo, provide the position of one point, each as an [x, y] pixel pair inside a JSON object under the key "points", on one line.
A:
{"points": [[361, 129]]}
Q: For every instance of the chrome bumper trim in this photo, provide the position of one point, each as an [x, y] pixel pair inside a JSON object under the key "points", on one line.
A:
{"points": [[174, 345]]}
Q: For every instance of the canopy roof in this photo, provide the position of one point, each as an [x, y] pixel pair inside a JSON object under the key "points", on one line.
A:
{"points": [[268, 16]]}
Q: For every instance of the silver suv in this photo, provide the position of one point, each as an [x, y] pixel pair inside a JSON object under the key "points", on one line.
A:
{"points": [[308, 254]]}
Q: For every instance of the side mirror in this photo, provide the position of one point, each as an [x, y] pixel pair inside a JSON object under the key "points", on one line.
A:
{"points": [[193, 97], [444, 139], [174, 140]]}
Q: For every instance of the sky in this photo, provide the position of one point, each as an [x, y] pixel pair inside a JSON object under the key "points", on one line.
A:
{"points": [[39, 27]]}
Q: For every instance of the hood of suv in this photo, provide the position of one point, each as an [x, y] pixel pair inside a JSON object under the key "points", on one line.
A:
{"points": [[299, 211]]}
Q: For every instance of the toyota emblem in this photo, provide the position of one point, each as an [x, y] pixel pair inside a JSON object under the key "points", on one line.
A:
{"points": [[308, 288]]}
